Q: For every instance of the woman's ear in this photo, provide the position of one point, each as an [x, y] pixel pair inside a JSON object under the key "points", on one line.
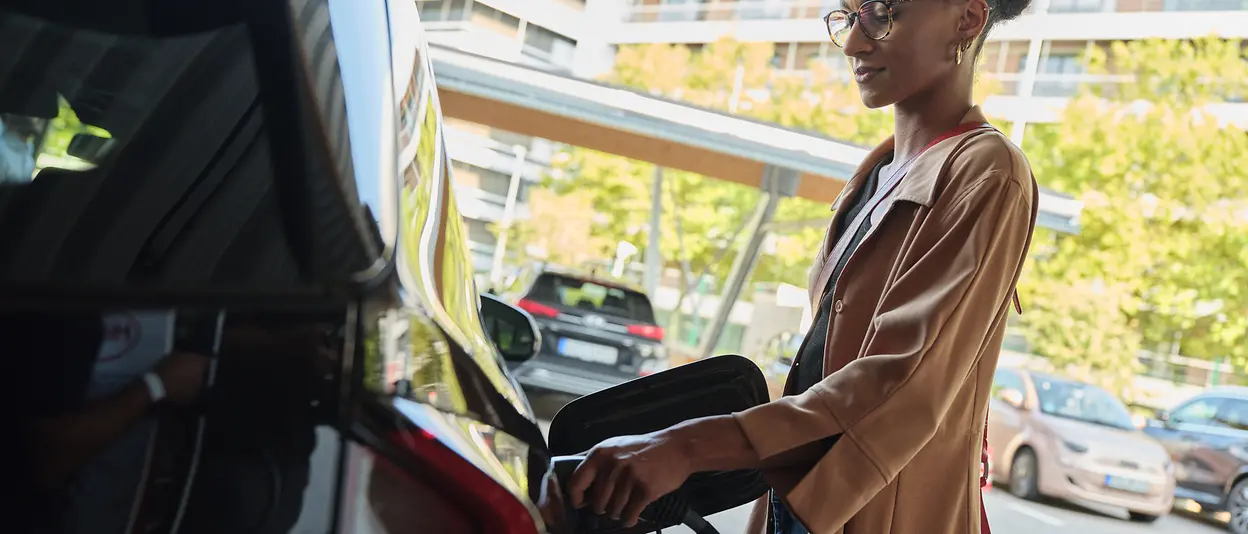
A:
{"points": [[973, 20]]}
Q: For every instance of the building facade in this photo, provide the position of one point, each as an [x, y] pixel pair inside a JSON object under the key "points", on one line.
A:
{"points": [[1035, 59]]}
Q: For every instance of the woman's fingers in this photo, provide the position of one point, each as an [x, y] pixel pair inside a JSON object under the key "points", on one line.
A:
{"points": [[604, 487], [638, 499], [623, 492], [581, 480]]}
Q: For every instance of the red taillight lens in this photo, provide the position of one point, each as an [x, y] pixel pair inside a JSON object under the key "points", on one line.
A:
{"points": [[539, 310], [447, 494], [651, 331]]}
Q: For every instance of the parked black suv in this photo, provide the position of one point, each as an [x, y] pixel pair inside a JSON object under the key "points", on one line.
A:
{"points": [[1207, 438], [596, 332], [236, 296]]}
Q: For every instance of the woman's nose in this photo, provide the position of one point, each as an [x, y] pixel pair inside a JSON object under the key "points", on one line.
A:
{"points": [[857, 42]]}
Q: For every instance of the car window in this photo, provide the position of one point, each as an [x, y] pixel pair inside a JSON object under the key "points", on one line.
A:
{"points": [[1198, 412], [589, 296], [1081, 402], [1005, 379], [155, 161], [1233, 413]]}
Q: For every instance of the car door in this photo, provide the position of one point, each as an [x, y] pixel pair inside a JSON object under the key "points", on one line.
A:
{"points": [[1005, 421], [477, 438], [1190, 434]]}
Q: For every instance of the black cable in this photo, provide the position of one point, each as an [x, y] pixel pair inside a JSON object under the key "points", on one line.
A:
{"points": [[697, 524]]}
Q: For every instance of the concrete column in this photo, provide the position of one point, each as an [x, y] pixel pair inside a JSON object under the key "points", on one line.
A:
{"points": [[777, 184], [509, 214], [654, 259]]}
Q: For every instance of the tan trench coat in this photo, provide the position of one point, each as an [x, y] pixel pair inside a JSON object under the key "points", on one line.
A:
{"points": [[918, 319]]}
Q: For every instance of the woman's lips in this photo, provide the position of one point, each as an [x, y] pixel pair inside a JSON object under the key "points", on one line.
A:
{"points": [[866, 74]]}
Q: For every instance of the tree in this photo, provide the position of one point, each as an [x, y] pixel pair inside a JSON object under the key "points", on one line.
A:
{"points": [[711, 210], [1162, 253]]}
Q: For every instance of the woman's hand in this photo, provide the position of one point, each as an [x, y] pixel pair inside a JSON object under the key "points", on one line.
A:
{"points": [[621, 476]]}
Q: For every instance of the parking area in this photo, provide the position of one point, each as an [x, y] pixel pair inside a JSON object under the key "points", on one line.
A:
{"points": [[1006, 513]]}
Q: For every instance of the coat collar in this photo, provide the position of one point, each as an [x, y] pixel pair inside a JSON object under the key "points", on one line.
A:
{"points": [[922, 188]]}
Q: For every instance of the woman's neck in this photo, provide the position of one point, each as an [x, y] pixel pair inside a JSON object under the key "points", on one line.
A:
{"points": [[920, 120]]}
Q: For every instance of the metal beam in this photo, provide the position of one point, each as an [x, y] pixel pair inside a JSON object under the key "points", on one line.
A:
{"points": [[777, 184]]}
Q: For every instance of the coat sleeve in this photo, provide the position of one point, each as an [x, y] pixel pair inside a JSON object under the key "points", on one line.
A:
{"points": [[929, 330]]}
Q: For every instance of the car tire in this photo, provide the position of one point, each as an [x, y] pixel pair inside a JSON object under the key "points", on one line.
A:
{"points": [[1237, 506], [1025, 475], [1137, 517]]}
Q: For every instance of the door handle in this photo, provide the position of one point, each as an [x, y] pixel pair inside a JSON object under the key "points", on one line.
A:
{"points": [[1187, 437]]}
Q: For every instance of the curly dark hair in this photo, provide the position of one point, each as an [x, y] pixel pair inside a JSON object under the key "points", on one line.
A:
{"points": [[1000, 11]]}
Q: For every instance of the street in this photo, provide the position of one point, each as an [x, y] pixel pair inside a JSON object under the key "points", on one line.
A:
{"points": [[1010, 515]]}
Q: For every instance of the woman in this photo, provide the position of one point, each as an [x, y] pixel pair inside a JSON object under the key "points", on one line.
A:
{"points": [[882, 427]]}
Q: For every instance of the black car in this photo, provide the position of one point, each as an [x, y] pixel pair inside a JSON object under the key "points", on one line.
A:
{"points": [[236, 296], [1207, 438], [596, 332]]}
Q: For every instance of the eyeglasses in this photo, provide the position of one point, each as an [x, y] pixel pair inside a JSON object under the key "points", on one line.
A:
{"points": [[874, 16]]}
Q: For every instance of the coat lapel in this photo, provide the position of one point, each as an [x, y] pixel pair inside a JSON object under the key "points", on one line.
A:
{"points": [[920, 191], [823, 267]]}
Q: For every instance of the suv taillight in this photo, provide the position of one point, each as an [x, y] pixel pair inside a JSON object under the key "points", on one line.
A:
{"points": [[650, 331], [445, 493], [538, 310]]}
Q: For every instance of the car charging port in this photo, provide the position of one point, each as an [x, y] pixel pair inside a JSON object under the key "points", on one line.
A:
{"points": [[669, 510]]}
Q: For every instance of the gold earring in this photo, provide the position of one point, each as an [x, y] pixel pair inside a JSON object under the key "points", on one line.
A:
{"points": [[958, 56]]}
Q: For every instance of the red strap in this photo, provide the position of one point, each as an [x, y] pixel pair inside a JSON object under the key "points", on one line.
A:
{"points": [[983, 512], [961, 129], [983, 516]]}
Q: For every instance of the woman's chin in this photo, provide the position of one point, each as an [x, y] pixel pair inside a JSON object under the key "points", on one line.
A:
{"points": [[873, 99]]}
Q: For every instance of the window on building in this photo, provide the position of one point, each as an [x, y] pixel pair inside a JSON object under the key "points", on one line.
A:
{"points": [[479, 232], [442, 10], [495, 19], [490, 181], [1057, 74], [548, 45], [1206, 5], [1076, 6], [681, 10]]}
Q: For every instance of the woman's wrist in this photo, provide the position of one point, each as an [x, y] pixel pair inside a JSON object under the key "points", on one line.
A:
{"points": [[714, 443]]}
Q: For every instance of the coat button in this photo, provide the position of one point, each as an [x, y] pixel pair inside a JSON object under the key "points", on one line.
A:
{"points": [[839, 306]]}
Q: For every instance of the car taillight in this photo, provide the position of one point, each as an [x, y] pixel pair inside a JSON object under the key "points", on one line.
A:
{"points": [[540, 310], [651, 331], [446, 493]]}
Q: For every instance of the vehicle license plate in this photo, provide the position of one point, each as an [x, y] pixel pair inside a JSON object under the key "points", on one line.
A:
{"points": [[590, 352], [1126, 484]]}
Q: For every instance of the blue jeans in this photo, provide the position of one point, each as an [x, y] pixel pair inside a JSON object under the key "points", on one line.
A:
{"points": [[785, 521]]}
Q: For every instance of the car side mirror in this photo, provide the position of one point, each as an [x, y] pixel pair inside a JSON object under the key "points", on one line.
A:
{"points": [[513, 331], [712, 386], [1013, 397], [89, 147], [1163, 417]]}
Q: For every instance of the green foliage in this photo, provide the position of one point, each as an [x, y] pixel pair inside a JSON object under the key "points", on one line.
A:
{"points": [[1163, 250], [60, 131], [710, 210]]}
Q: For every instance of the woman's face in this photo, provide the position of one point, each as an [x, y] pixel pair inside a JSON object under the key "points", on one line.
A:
{"points": [[916, 55]]}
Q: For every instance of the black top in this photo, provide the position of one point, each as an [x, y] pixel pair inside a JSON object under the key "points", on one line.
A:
{"points": [[810, 357]]}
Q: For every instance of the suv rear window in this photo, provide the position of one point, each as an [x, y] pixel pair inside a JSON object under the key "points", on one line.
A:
{"points": [[585, 295]]}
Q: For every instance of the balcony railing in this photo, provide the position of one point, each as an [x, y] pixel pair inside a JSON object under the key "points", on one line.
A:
{"points": [[1059, 85], [689, 11]]}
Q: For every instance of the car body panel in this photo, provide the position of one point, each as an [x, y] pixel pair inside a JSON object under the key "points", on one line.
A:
{"points": [[556, 368], [1104, 455], [345, 125], [1207, 443]]}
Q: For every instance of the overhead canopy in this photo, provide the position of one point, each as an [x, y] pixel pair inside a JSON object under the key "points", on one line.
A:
{"points": [[620, 121]]}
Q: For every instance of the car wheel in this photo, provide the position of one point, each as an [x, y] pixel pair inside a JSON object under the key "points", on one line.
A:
{"points": [[1143, 518], [1025, 475], [1237, 505]]}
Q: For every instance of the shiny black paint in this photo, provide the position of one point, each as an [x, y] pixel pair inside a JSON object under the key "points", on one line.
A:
{"points": [[368, 325]]}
